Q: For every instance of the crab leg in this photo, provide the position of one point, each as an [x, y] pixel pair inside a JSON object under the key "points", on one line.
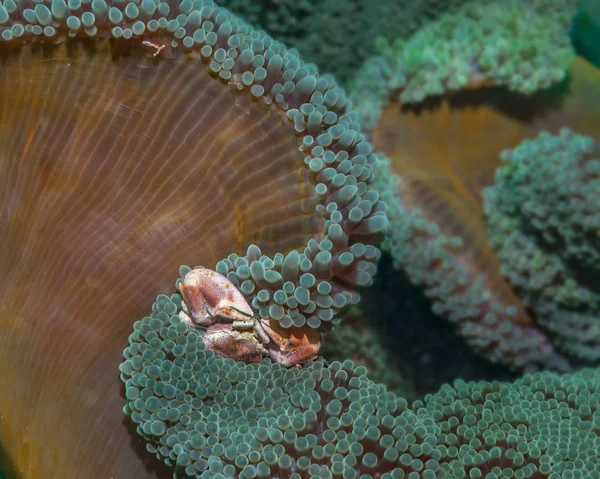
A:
{"points": [[232, 314], [243, 324], [242, 320], [261, 332]]}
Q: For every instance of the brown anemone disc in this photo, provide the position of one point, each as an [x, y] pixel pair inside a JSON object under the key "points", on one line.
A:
{"points": [[458, 138], [116, 167], [447, 150]]}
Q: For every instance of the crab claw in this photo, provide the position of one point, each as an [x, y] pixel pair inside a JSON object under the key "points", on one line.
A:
{"points": [[292, 346], [209, 296]]}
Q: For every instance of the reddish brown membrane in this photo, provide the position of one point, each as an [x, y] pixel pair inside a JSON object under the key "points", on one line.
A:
{"points": [[465, 132]]}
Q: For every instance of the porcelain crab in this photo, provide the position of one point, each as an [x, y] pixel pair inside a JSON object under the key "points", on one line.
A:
{"points": [[212, 302]]}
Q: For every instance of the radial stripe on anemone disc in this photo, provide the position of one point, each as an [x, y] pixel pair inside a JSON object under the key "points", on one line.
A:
{"points": [[136, 138]]}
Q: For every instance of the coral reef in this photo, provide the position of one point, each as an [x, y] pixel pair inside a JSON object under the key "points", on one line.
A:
{"points": [[138, 136], [542, 218], [207, 416], [125, 156]]}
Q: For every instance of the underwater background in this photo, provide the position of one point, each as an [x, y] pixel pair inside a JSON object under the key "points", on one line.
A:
{"points": [[407, 189]]}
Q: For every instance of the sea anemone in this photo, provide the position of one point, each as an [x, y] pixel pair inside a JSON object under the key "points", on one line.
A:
{"points": [[338, 36], [542, 218], [210, 417], [445, 151], [135, 138], [514, 44], [435, 238]]}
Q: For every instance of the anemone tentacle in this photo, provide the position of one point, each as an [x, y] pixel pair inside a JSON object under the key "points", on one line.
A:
{"points": [[210, 417], [446, 148], [521, 45], [544, 205]]}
